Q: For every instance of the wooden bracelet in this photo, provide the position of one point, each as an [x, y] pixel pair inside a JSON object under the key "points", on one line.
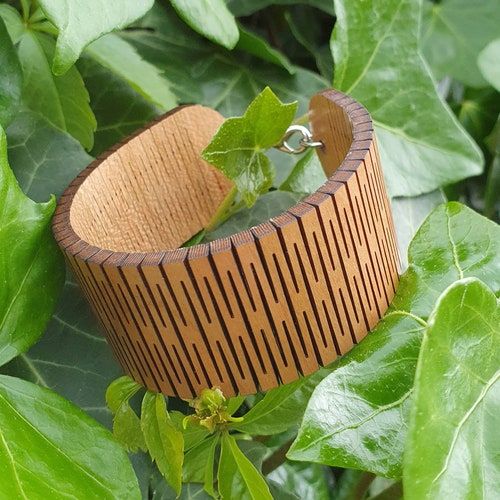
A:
{"points": [[244, 313]]}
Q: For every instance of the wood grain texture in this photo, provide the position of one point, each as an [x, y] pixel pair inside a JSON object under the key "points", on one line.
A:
{"points": [[244, 313]]}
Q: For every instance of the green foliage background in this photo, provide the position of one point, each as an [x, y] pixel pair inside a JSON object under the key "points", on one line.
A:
{"points": [[76, 76]]}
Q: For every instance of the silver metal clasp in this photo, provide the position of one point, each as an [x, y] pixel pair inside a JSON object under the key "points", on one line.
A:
{"points": [[306, 140]]}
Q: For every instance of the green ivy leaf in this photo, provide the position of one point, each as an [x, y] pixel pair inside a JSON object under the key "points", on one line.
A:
{"points": [[31, 266], [237, 476], [358, 415], [116, 54], [82, 21], [44, 159], [253, 44], [307, 27], [307, 175], [247, 7], [422, 145], [210, 18], [163, 440], [126, 424], [13, 22], [267, 206], [281, 408], [238, 147], [489, 63], [408, 215], [452, 445], [454, 33], [477, 110], [72, 357], [63, 100], [10, 77], [118, 108], [66, 447], [214, 77]]}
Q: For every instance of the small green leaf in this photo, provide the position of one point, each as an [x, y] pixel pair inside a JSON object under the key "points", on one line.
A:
{"points": [[304, 480], [63, 100], [253, 44], [452, 445], [43, 158], [409, 213], [126, 424], [247, 7], [82, 21], [238, 147], [358, 415], [116, 54], [210, 18], [13, 22], [31, 266], [11, 77], [120, 391], [164, 441], [237, 477], [422, 145], [281, 408], [214, 77], [454, 33], [267, 206], [118, 108], [49, 448], [489, 63], [193, 433], [307, 175], [198, 459]]}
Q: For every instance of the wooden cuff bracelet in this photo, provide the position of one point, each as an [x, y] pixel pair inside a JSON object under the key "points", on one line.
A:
{"points": [[244, 313]]}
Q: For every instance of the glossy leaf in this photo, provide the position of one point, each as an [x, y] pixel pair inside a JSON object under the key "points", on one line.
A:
{"points": [[422, 145], [31, 267], [238, 147], [477, 110], [307, 175], [198, 463], [215, 77], [69, 454], [454, 33], [257, 46], [10, 77], [82, 21], [13, 22], [489, 63], [247, 7], [114, 53], [63, 100], [358, 415], [308, 28], [210, 18], [267, 206], [126, 424], [164, 441], [237, 477], [452, 446], [280, 408], [44, 159], [408, 214], [305, 481], [118, 108]]}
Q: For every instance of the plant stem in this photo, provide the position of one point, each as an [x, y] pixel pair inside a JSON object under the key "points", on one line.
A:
{"points": [[223, 211], [276, 459]]}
